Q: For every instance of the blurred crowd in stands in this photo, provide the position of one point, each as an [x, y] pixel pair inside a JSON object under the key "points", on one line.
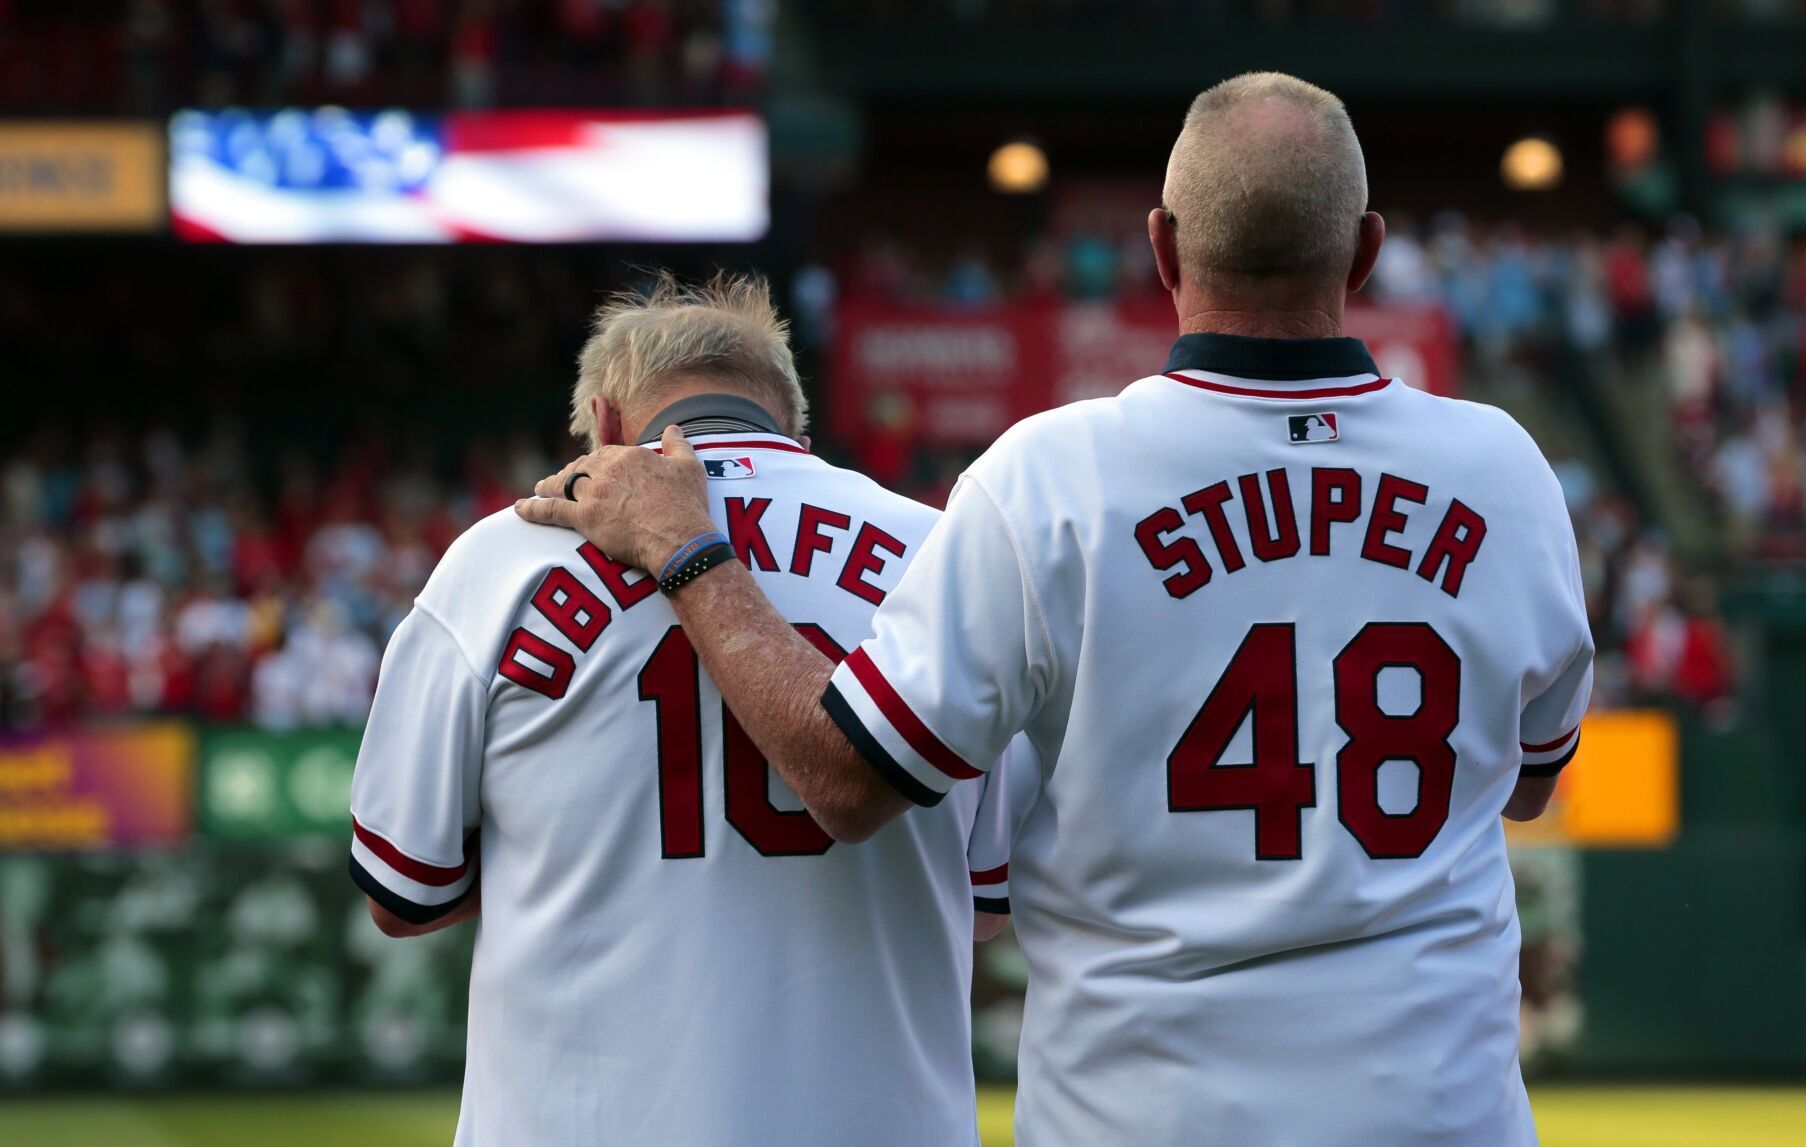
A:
{"points": [[1717, 322], [252, 569], [1656, 622], [250, 565], [143, 574], [1719, 319], [147, 57]]}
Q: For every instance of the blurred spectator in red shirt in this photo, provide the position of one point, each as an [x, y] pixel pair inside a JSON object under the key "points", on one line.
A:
{"points": [[1628, 286], [1681, 651]]}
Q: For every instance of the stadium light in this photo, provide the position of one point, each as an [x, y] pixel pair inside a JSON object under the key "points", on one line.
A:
{"points": [[1531, 164], [1018, 168]]}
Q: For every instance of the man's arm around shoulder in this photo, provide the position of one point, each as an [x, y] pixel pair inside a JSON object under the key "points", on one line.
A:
{"points": [[773, 679], [640, 508]]}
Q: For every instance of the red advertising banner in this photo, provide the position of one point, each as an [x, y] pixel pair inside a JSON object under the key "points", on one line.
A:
{"points": [[948, 376], [1099, 348], [955, 377], [1415, 342], [127, 787]]}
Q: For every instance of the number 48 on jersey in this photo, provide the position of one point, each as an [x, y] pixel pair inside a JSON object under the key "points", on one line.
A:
{"points": [[1262, 679]]}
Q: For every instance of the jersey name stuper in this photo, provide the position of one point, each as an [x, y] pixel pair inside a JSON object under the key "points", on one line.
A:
{"points": [[1273, 527], [1279, 698]]}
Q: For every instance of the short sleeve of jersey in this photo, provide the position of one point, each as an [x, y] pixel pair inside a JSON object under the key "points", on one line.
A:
{"points": [[957, 659], [993, 834], [1551, 723], [1549, 729], [414, 807]]}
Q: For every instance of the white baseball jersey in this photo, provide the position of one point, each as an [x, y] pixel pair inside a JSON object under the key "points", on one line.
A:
{"points": [[670, 950], [1285, 635]]}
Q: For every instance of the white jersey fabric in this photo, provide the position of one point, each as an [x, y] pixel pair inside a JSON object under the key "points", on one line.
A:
{"points": [[670, 951], [1285, 635]]}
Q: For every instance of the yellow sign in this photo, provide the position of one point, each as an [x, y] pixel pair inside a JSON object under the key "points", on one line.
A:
{"points": [[1621, 790], [82, 176]]}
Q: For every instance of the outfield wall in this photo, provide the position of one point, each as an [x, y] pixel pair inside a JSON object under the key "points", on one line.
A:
{"points": [[219, 942]]}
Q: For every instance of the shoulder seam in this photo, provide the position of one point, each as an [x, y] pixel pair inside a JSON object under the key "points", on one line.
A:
{"points": [[1028, 582], [463, 654]]}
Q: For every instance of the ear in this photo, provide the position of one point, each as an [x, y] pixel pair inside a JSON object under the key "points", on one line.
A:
{"points": [[1367, 250], [609, 428], [1163, 235]]}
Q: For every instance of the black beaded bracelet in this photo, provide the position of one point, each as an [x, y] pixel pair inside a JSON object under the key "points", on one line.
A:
{"points": [[696, 565]]}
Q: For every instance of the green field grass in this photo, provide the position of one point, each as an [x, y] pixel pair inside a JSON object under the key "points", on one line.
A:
{"points": [[1568, 1116]]}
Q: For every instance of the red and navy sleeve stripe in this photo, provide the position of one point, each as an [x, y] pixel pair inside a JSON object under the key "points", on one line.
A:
{"points": [[991, 890], [411, 888], [1547, 758], [887, 732], [875, 754]]}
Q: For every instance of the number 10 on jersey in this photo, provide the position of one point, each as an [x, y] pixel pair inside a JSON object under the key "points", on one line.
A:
{"points": [[1262, 680], [671, 680]]}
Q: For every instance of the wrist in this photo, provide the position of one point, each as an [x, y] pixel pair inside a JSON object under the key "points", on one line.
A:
{"points": [[687, 570], [671, 541]]}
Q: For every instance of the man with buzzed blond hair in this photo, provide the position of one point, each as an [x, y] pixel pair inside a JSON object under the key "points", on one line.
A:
{"points": [[672, 951], [1287, 636], [1261, 219]]}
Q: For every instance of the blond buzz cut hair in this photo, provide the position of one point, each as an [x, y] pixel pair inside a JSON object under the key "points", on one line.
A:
{"points": [[1266, 182], [725, 328]]}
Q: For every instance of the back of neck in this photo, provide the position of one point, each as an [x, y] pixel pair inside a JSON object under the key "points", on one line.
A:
{"points": [[1263, 324], [1260, 309]]}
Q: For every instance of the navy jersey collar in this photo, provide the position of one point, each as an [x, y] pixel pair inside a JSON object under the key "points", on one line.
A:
{"points": [[1276, 360]]}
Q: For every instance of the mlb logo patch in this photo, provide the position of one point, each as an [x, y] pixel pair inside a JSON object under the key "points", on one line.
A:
{"points": [[1306, 428], [729, 467]]}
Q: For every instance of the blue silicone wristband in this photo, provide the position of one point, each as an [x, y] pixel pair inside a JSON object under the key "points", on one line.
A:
{"points": [[690, 549]]}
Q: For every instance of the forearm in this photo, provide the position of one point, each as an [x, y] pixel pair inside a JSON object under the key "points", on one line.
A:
{"points": [[1530, 798], [643, 509], [773, 678]]}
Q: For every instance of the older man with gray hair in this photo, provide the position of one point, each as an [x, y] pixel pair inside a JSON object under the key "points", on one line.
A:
{"points": [[1288, 638], [672, 950]]}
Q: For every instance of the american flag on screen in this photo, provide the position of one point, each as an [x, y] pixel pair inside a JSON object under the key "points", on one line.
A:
{"points": [[328, 175]]}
